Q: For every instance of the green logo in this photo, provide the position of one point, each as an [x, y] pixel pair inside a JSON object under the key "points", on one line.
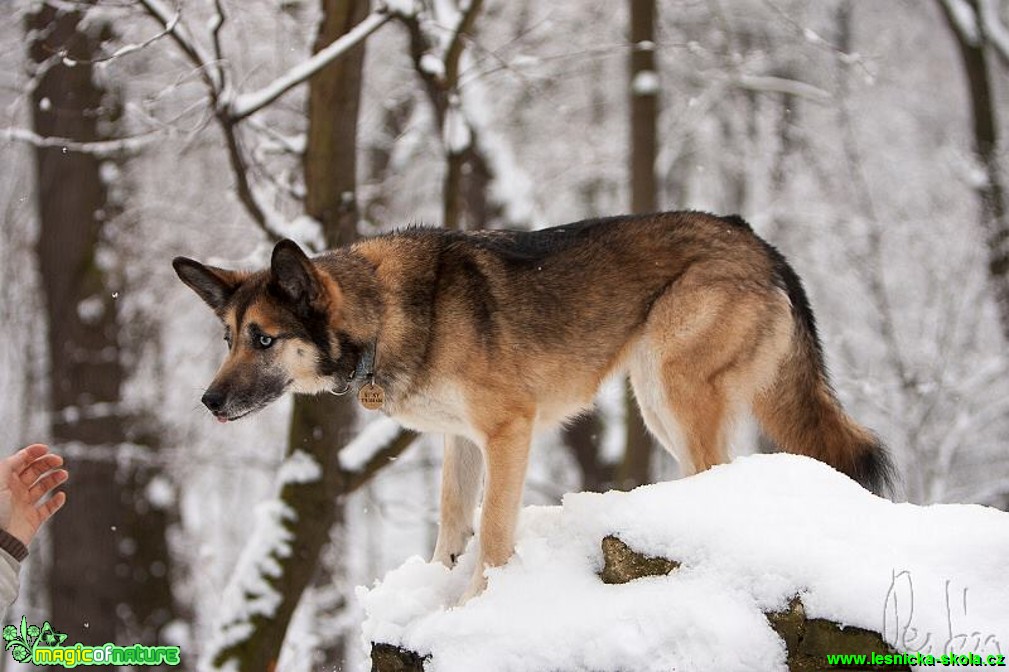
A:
{"points": [[21, 642], [44, 646]]}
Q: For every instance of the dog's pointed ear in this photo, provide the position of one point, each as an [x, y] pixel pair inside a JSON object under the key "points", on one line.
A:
{"points": [[293, 274], [214, 285]]}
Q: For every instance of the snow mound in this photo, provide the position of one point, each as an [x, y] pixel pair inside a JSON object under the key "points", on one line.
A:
{"points": [[750, 536]]}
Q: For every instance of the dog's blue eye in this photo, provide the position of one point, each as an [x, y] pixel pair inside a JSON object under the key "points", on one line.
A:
{"points": [[265, 341]]}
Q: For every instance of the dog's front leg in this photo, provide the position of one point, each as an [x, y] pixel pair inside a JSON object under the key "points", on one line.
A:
{"points": [[460, 486], [506, 455]]}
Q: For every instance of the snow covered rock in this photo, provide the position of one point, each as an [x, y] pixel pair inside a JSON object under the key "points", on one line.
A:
{"points": [[750, 538], [622, 564]]}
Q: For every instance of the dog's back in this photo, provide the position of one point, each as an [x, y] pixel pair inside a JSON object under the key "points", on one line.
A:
{"points": [[709, 320]]}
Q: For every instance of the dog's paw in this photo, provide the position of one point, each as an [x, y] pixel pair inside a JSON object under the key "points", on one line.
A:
{"points": [[445, 557], [448, 554], [476, 587], [450, 547]]}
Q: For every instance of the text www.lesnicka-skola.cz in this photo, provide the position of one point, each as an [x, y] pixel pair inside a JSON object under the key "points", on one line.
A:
{"points": [[921, 659]]}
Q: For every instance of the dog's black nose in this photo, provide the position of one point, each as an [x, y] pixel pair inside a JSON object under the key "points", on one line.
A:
{"points": [[214, 401]]}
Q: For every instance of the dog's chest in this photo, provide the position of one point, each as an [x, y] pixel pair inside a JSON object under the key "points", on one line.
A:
{"points": [[436, 408]]}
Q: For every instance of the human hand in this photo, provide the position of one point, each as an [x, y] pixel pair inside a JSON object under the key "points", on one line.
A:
{"points": [[26, 477]]}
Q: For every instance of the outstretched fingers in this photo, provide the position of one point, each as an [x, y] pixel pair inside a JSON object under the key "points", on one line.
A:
{"points": [[40, 466], [24, 457], [51, 506], [47, 484]]}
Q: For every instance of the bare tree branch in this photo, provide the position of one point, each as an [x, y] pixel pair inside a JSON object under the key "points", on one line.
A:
{"points": [[216, 24], [250, 103], [455, 46], [212, 76], [181, 36], [230, 111], [468, 171], [239, 166]]}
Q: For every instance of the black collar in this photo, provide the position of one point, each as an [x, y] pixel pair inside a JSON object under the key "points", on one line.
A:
{"points": [[364, 370]]}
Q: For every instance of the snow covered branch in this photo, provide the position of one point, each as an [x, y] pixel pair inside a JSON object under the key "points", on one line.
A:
{"points": [[249, 103], [101, 149], [994, 31], [474, 167], [963, 18], [213, 78], [978, 24], [260, 587], [455, 46], [127, 49], [769, 84]]}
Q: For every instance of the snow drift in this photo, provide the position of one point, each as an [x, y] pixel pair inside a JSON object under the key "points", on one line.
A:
{"points": [[750, 536]]}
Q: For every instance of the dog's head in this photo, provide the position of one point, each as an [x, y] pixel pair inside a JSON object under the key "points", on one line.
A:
{"points": [[282, 328]]}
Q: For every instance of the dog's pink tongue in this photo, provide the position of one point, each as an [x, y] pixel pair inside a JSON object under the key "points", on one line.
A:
{"points": [[221, 419]]}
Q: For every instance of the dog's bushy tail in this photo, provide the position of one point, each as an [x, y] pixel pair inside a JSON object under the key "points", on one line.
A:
{"points": [[800, 411]]}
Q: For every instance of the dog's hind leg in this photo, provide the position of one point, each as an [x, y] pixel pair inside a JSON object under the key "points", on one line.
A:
{"points": [[460, 485], [709, 347]]}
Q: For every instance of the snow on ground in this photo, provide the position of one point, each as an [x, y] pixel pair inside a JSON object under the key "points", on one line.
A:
{"points": [[750, 536]]}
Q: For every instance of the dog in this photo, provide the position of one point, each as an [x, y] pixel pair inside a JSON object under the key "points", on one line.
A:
{"points": [[490, 336]]}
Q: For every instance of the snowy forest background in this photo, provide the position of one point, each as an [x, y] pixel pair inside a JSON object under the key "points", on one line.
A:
{"points": [[860, 137]]}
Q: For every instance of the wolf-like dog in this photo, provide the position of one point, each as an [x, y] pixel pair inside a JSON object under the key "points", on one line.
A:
{"points": [[490, 336]]}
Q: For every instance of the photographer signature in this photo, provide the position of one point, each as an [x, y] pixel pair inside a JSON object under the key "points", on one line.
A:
{"points": [[899, 627]]}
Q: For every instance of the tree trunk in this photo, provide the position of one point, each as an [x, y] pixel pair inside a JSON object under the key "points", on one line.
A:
{"points": [[644, 103], [320, 424], [334, 97], [993, 218], [110, 570], [468, 175], [582, 438]]}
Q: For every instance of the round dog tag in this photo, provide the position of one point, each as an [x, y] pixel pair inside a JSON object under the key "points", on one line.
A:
{"points": [[371, 396]]}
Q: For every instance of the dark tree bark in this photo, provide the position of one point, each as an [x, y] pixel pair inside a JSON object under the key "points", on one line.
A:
{"points": [[320, 425], [582, 438], [992, 215], [334, 97], [644, 105], [109, 578]]}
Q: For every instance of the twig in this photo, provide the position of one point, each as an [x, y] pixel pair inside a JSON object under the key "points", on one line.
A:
{"points": [[249, 103], [236, 158], [769, 84], [211, 76], [455, 46], [994, 31], [180, 35], [229, 111], [101, 148], [217, 23], [124, 50]]}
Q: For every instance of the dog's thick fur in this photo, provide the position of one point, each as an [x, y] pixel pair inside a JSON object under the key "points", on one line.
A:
{"points": [[491, 336]]}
